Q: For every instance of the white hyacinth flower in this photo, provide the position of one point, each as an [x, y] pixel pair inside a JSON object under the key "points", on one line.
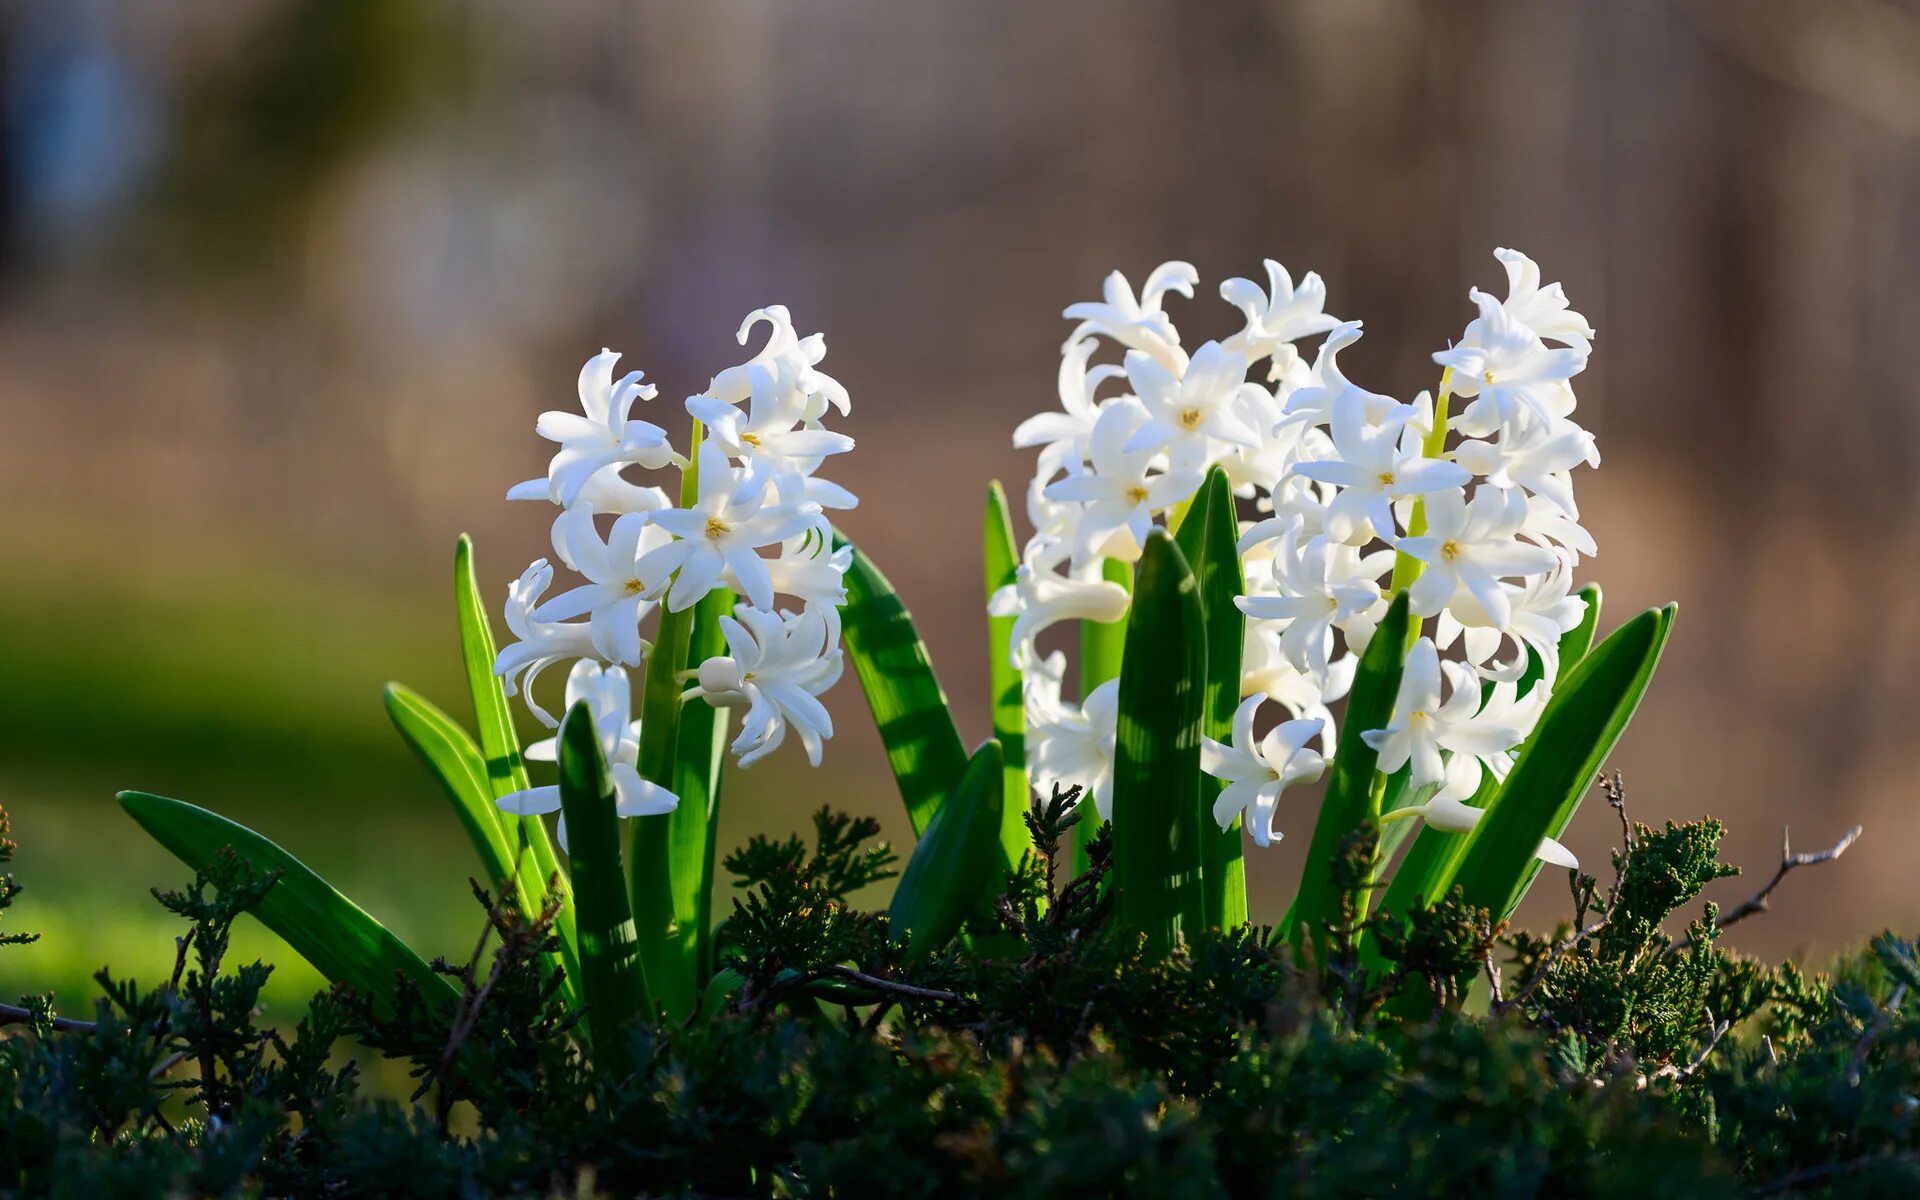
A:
{"points": [[1120, 491], [1071, 745], [1040, 597], [1423, 726], [609, 697], [1189, 413], [615, 594], [1512, 375], [1541, 308], [719, 533], [541, 643], [1473, 546], [777, 666], [1277, 316], [1378, 463], [1257, 773], [1312, 403], [1138, 323], [768, 436], [735, 384], [601, 435], [1319, 585]]}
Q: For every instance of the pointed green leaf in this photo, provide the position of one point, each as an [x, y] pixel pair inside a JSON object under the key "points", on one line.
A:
{"points": [[1575, 643], [328, 930], [1157, 819], [1102, 648], [923, 747], [1354, 787], [1583, 721], [1002, 557], [1209, 536], [612, 979], [956, 862], [499, 745], [461, 771]]}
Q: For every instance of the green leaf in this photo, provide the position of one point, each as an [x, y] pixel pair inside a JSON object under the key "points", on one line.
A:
{"points": [[698, 764], [506, 773], [956, 862], [1157, 818], [1582, 723], [1575, 643], [1002, 558], [328, 930], [611, 975], [1354, 787], [923, 747], [1102, 649], [460, 769], [1209, 536]]}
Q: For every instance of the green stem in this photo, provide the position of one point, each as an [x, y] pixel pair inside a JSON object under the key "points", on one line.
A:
{"points": [[1406, 568], [650, 862]]}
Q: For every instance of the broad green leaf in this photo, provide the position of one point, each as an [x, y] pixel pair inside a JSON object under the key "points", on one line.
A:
{"points": [[670, 951], [457, 764], [1002, 558], [1209, 537], [956, 862], [1354, 787], [1102, 647], [328, 930], [923, 747], [1582, 723], [611, 975], [1158, 821], [506, 773]]}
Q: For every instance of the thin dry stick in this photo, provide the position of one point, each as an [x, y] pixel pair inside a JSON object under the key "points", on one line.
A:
{"points": [[888, 985], [1757, 903], [1882, 1021], [13, 1014], [1715, 1031]]}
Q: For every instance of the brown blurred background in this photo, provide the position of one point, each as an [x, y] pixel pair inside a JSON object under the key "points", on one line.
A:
{"points": [[283, 285]]}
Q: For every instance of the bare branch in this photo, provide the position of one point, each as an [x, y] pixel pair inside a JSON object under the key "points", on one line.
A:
{"points": [[1757, 903], [13, 1014], [894, 987]]}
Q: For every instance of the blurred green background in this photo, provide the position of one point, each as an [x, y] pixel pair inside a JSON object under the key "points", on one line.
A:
{"points": [[283, 285]]}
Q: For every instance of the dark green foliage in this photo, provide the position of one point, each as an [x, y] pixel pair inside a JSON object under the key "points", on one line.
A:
{"points": [[8, 888], [1067, 1061]]}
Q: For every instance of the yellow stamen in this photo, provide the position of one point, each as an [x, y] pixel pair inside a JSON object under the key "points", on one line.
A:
{"points": [[717, 529], [1190, 418]]}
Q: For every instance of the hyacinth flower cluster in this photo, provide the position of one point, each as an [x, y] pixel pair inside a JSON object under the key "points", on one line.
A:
{"points": [[752, 522], [1466, 503], [1278, 577]]}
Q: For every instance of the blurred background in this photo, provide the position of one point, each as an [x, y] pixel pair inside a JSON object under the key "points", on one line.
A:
{"points": [[283, 285]]}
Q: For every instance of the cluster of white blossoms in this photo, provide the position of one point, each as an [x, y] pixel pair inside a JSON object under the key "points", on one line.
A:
{"points": [[756, 524], [1345, 483]]}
